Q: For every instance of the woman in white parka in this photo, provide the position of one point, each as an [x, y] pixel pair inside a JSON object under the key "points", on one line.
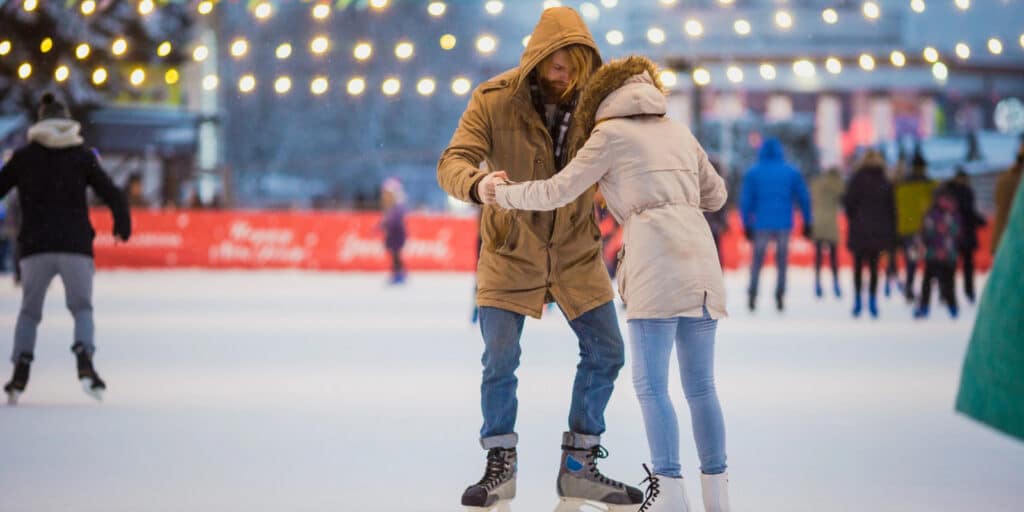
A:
{"points": [[657, 182]]}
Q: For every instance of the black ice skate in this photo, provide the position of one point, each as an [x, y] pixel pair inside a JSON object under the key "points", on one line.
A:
{"points": [[498, 482], [19, 380], [92, 384], [581, 483]]}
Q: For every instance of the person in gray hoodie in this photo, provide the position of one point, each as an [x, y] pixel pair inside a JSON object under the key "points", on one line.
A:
{"points": [[658, 181], [51, 174]]}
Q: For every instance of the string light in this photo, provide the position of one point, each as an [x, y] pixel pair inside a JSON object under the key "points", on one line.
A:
{"points": [[319, 45], [137, 77], [871, 10], [82, 51], [898, 59], [931, 55], [609, 4], [668, 78], [1022, 40], [830, 16], [119, 47], [356, 86], [803, 68], [404, 50], [210, 82], [99, 76], [461, 86], [246, 83], [239, 47], [940, 71], [164, 49], [995, 46], [379, 4], [46, 45], [321, 11], [171, 76], [917, 6], [668, 3], [734, 74], [867, 62], [486, 44], [767, 71], [437, 9], [426, 86], [448, 42], [615, 37], [391, 86], [263, 11], [61, 73], [784, 20], [283, 51], [282, 85], [526, 40], [833, 65], [5, 47], [88, 7], [701, 77], [963, 5], [319, 85], [205, 7], [963, 51], [693, 28], [590, 11], [494, 7], [362, 51], [656, 35], [29, 6], [200, 53], [146, 7], [550, 4], [742, 27]]}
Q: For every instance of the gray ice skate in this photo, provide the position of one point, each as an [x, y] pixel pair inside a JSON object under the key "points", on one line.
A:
{"points": [[580, 482], [19, 380], [92, 384], [498, 482]]}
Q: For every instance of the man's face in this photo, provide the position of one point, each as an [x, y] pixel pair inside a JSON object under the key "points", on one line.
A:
{"points": [[555, 72]]}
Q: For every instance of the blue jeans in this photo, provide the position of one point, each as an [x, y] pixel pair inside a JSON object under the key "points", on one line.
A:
{"points": [[761, 240], [602, 355], [651, 347]]}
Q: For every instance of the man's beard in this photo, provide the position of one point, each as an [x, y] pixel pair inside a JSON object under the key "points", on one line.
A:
{"points": [[553, 91]]}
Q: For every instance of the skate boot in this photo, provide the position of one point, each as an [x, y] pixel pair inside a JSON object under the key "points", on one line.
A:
{"points": [[580, 482], [921, 312], [19, 380], [751, 302], [857, 306], [779, 302], [954, 312], [715, 489], [664, 494], [835, 287], [92, 384], [873, 306], [818, 291], [498, 482]]}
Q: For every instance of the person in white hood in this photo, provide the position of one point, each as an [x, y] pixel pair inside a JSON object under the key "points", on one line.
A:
{"points": [[657, 181]]}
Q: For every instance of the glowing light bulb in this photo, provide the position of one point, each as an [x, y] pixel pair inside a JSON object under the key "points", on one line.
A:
{"points": [[119, 47], [283, 51], [767, 71], [210, 82], [404, 50], [246, 83], [448, 42], [61, 73], [742, 27], [486, 44], [701, 77], [830, 16], [833, 65], [656, 35], [282, 85], [391, 86], [137, 77], [461, 86], [200, 53], [99, 76], [356, 86], [82, 51], [362, 51], [426, 86], [319, 85], [614, 37]]}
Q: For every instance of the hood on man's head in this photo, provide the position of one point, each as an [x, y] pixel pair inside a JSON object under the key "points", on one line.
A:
{"points": [[52, 108], [558, 27], [771, 149]]}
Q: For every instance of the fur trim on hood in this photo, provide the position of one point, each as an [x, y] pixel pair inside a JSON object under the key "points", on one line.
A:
{"points": [[608, 79], [56, 133]]}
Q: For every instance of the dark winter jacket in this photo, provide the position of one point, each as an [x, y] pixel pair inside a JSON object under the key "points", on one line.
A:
{"points": [[870, 211], [51, 174], [969, 216], [769, 190], [393, 225], [941, 231]]}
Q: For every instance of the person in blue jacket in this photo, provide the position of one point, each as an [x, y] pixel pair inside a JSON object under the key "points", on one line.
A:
{"points": [[766, 204]]}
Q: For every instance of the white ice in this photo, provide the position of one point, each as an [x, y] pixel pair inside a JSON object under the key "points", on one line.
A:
{"points": [[291, 391]]}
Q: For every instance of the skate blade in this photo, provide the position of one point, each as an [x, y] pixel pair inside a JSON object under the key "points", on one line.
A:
{"points": [[12, 398], [503, 505], [566, 504], [97, 393]]}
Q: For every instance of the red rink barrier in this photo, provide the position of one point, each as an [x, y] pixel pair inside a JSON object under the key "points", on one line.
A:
{"points": [[342, 241]]}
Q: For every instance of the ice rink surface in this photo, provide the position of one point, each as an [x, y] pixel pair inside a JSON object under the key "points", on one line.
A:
{"points": [[290, 391]]}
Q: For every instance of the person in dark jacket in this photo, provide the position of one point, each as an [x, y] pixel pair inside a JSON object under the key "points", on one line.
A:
{"points": [[51, 174], [942, 239], [393, 224], [971, 222], [871, 214], [770, 189]]}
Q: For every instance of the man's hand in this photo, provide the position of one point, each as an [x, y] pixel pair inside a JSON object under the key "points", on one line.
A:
{"points": [[485, 189]]}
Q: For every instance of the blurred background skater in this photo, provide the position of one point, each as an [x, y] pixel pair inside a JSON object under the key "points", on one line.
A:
{"points": [[51, 174], [970, 222], [870, 213], [770, 188], [942, 237], [392, 199], [913, 198], [826, 195]]}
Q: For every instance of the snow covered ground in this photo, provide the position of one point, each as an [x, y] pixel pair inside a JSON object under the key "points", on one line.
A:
{"points": [[287, 391]]}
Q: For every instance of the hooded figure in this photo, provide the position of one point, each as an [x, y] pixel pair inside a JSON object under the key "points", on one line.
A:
{"points": [[52, 173], [521, 122], [657, 181]]}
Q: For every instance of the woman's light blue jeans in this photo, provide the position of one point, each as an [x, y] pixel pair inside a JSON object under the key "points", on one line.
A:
{"points": [[651, 342]]}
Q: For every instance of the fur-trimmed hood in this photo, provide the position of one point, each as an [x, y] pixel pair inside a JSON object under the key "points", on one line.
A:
{"points": [[56, 133], [621, 88]]}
